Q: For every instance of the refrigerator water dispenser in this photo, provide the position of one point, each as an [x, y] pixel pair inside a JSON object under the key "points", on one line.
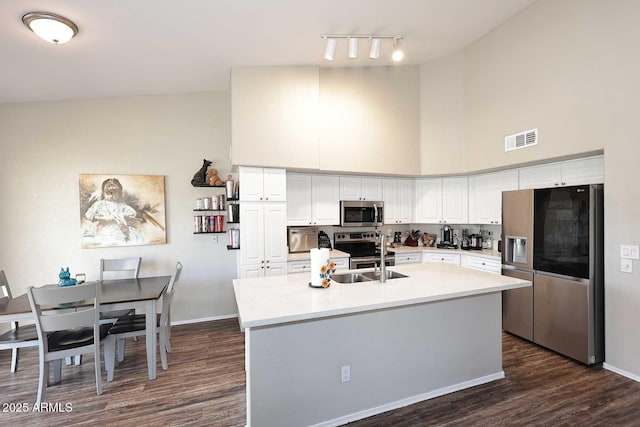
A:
{"points": [[516, 249]]}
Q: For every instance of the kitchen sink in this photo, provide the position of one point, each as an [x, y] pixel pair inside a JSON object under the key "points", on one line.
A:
{"points": [[364, 277], [350, 278], [375, 275]]}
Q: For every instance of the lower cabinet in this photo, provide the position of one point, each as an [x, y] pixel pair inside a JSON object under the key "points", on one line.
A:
{"points": [[408, 258], [273, 269], [447, 258], [304, 265], [481, 263]]}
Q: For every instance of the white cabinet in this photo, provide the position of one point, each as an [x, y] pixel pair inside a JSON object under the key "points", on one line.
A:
{"points": [[442, 200], [313, 199], [447, 258], [589, 170], [485, 195], [262, 184], [397, 195], [360, 188], [481, 263], [263, 239], [408, 258], [304, 265]]}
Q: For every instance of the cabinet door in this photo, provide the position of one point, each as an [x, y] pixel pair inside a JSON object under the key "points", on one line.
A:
{"points": [[371, 189], [407, 258], [389, 197], [428, 201], [350, 188], [453, 259], [404, 201], [542, 176], [503, 181], [325, 200], [583, 171], [275, 233], [455, 200], [251, 271], [299, 199], [251, 181], [275, 185], [482, 207], [252, 234], [276, 269]]}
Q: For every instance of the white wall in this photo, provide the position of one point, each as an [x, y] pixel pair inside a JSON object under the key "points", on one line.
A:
{"points": [[569, 68], [45, 146]]}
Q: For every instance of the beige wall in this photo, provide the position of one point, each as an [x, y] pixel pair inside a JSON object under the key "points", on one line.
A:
{"points": [[370, 120], [569, 68], [45, 146]]}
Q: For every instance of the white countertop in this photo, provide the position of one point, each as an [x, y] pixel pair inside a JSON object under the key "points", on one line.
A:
{"points": [[288, 298]]}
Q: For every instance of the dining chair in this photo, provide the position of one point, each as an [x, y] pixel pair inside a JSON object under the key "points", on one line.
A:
{"points": [[66, 329], [18, 336], [135, 326], [121, 268]]}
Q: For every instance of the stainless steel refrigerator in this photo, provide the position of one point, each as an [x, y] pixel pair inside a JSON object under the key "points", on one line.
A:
{"points": [[554, 237]]}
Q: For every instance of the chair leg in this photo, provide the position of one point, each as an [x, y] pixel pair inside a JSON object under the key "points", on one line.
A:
{"points": [[98, 368], [14, 360], [110, 356], [121, 345], [163, 350], [43, 373], [57, 371]]}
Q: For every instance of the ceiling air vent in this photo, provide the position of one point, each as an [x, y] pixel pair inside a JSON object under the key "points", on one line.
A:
{"points": [[521, 140]]}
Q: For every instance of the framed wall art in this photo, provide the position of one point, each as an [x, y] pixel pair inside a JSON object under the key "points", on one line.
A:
{"points": [[122, 210]]}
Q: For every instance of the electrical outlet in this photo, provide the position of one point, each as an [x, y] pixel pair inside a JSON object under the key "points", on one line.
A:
{"points": [[626, 265], [346, 373]]}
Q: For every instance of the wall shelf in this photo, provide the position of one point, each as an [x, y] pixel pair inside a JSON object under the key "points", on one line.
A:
{"points": [[232, 248], [210, 186], [210, 210], [209, 232]]}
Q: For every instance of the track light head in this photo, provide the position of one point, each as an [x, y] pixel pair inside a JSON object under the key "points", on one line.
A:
{"points": [[374, 51], [353, 47], [397, 54], [330, 48]]}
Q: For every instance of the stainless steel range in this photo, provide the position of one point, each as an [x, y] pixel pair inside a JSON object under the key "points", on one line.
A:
{"points": [[362, 248]]}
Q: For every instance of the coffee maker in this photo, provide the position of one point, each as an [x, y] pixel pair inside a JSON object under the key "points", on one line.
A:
{"points": [[447, 239], [397, 237]]}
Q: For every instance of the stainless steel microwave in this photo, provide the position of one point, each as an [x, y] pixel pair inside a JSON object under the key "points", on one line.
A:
{"points": [[361, 213]]}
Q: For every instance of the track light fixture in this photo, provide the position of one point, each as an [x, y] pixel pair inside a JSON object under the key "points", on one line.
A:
{"points": [[331, 42]]}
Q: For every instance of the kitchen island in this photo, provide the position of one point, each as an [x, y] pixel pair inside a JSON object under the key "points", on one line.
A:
{"points": [[331, 356]]}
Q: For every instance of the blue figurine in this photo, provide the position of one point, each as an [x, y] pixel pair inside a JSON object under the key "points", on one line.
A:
{"points": [[65, 278]]}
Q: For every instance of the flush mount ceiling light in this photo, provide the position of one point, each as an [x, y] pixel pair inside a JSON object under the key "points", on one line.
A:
{"points": [[50, 27], [331, 42]]}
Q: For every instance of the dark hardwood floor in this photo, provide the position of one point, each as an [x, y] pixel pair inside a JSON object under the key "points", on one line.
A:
{"points": [[205, 386]]}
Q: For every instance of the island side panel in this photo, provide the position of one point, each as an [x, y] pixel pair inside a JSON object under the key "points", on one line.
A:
{"points": [[396, 356]]}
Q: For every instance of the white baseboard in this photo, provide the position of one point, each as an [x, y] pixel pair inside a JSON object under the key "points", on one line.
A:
{"points": [[204, 319], [410, 400], [621, 372]]}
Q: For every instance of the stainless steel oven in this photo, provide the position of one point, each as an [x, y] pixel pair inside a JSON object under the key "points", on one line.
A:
{"points": [[362, 248], [361, 213]]}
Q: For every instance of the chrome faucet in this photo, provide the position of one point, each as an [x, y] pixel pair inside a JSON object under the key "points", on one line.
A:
{"points": [[383, 253]]}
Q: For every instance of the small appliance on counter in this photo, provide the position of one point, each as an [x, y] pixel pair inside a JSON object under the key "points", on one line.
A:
{"points": [[448, 240], [397, 237], [476, 241], [302, 239], [323, 240]]}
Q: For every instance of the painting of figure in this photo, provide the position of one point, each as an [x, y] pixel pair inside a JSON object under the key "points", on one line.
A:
{"points": [[122, 210]]}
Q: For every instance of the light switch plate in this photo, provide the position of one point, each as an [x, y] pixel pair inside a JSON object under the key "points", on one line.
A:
{"points": [[629, 252], [626, 265]]}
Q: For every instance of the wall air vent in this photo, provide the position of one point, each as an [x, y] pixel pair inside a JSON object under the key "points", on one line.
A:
{"points": [[521, 140]]}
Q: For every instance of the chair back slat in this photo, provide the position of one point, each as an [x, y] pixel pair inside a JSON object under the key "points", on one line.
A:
{"points": [[167, 296], [121, 268], [174, 277], [68, 320], [5, 290], [62, 317]]}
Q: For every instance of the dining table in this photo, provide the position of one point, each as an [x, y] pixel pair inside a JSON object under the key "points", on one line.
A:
{"points": [[140, 294]]}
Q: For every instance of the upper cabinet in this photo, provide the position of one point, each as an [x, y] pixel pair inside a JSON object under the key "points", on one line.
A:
{"points": [[485, 195], [360, 188], [589, 170], [274, 116], [442, 200], [313, 199], [262, 184], [397, 195]]}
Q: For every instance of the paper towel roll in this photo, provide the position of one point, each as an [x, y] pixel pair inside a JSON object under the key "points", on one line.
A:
{"points": [[319, 267]]}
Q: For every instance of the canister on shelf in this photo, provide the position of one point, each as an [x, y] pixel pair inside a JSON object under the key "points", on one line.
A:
{"points": [[197, 224], [206, 203], [214, 204], [212, 223], [199, 204], [221, 201], [219, 223]]}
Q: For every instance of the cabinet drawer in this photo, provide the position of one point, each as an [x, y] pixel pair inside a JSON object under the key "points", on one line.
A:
{"points": [[483, 264], [407, 258], [440, 257], [341, 263], [298, 266]]}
